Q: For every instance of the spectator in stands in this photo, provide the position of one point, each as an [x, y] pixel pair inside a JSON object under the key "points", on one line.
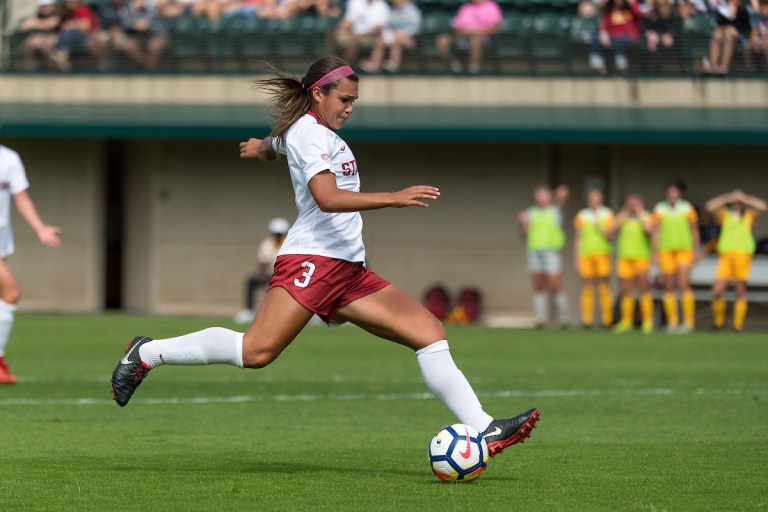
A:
{"points": [[243, 9], [180, 8], [40, 33], [758, 40], [80, 28], [736, 213], [661, 25], [732, 26], [363, 22], [619, 28], [404, 24], [145, 36], [282, 9], [113, 18], [473, 27]]}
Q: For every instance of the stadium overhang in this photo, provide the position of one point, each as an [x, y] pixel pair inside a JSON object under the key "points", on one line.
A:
{"points": [[550, 124]]}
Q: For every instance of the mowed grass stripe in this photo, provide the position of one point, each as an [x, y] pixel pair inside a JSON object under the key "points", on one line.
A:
{"points": [[628, 423]]}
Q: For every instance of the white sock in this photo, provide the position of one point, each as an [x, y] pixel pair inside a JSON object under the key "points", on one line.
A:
{"points": [[540, 307], [209, 346], [448, 384], [561, 304], [6, 323]]}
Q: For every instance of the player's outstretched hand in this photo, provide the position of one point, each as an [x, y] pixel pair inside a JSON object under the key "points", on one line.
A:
{"points": [[250, 148], [49, 236], [414, 196]]}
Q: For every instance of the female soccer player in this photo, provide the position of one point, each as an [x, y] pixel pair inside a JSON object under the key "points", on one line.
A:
{"points": [[592, 254], [542, 227], [14, 184], [633, 251], [320, 269], [736, 213], [676, 247]]}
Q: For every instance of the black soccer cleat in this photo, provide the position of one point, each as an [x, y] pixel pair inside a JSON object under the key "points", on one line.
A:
{"points": [[130, 371], [503, 433]]}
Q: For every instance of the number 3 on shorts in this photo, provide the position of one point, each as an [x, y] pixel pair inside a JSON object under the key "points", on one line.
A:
{"points": [[306, 275]]}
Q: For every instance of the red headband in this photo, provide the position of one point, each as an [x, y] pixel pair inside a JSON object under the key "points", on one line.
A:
{"points": [[336, 74]]}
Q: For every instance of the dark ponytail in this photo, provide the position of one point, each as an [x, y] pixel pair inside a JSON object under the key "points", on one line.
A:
{"points": [[288, 94]]}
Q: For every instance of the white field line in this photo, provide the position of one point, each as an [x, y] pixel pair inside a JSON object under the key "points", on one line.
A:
{"points": [[306, 397]]}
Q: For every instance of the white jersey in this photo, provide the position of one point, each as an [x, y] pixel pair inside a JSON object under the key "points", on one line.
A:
{"points": [[13, 180], [312, 148]]}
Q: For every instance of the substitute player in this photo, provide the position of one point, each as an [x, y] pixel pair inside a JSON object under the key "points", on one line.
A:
{"points": [[736, 213], [321, 269], [542, 227], [676, 247], [633, 226], [592, 250], [265, 259], [14, 184]]}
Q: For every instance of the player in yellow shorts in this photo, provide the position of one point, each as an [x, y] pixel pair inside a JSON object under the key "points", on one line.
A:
{"points": [[592, 250], [736, 212], [676, 247], [633, 250]]}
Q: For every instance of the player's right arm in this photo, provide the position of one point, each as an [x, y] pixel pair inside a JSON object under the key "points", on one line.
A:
{"points": [[332, 199], [522, 219], [262, 149], [715, 204]]}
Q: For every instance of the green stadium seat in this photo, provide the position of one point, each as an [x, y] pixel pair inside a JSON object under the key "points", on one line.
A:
{"points": [[549, 42], [512, 43]]}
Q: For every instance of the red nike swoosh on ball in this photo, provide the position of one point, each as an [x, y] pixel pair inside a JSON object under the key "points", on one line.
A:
{"points": [[466, 453]]}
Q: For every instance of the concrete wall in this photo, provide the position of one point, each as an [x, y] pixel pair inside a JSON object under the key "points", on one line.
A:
{"points": [[377, 90], [195, 214], [65, 184]]}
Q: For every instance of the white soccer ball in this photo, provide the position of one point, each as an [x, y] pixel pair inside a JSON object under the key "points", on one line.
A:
{"points": [[458, 453]]}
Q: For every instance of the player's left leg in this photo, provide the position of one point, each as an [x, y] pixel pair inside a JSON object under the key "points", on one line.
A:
{"points": [[687, 300], [604, 289], [9, 297], [627, 306], [742, 266], [391, 314], [740, 305], [646, 300]]}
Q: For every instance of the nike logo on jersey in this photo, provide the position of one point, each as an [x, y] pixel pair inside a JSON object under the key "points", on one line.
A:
{"points": [[468, 450], [496, 431], [343, 148]]}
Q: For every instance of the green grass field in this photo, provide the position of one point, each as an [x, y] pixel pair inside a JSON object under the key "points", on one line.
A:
{"points": [[342, 421]]}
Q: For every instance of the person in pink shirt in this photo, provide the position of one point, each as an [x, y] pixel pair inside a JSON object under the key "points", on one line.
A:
{"points": [[474, 24]]}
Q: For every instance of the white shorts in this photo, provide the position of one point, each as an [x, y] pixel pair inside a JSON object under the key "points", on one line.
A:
{"points": [[545, 262]]}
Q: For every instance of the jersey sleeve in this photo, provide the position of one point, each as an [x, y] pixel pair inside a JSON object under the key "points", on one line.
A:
{"points": [[578, 222], [16, 174], [609, 218], [278, 146], [749, 218], [692, 215], [655, 217], [313, 151], [720, 218]]}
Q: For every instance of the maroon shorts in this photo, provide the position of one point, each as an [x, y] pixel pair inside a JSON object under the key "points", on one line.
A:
{"points": [[323, 285]]}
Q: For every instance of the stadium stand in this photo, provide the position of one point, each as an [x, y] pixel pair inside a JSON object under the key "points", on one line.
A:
{"points": [[537, 37]]}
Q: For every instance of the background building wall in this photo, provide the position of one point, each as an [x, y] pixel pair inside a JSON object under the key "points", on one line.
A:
{"points": [[66, 186], [194, 214]]}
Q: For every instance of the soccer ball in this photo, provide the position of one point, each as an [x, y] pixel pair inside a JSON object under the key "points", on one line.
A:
{"points": [[458, 453]]}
